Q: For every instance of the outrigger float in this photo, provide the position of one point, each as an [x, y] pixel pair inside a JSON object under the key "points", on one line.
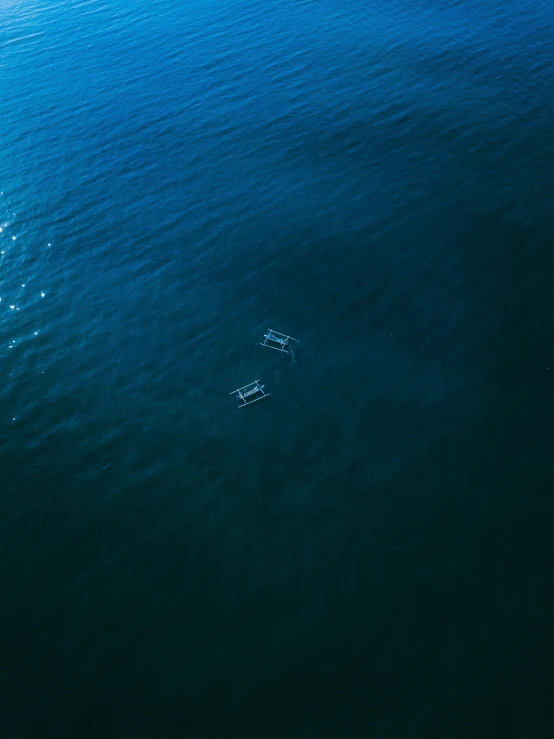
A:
{"points": [[280, 342], [250, 393]]}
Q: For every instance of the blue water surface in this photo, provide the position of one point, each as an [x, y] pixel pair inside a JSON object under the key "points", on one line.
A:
{"points": [[367, 552]]}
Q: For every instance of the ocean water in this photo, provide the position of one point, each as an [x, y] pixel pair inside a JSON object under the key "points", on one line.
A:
{"points": [[368, 552]]}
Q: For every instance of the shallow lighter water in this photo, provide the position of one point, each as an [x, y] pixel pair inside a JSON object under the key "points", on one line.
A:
{"points": [[366, 553]]}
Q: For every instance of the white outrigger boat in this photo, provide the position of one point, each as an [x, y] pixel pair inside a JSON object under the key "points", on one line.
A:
{"points": [[280, 342], [250, 393]]}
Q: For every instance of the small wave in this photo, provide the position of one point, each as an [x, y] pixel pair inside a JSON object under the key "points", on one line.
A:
{"points": [[21, 38]]}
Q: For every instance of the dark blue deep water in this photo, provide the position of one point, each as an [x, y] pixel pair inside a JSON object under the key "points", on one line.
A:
{"points": [[369, 552]]}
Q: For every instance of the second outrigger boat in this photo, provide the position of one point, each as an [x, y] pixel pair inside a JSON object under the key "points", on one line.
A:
{"points": [[250, 393]]}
